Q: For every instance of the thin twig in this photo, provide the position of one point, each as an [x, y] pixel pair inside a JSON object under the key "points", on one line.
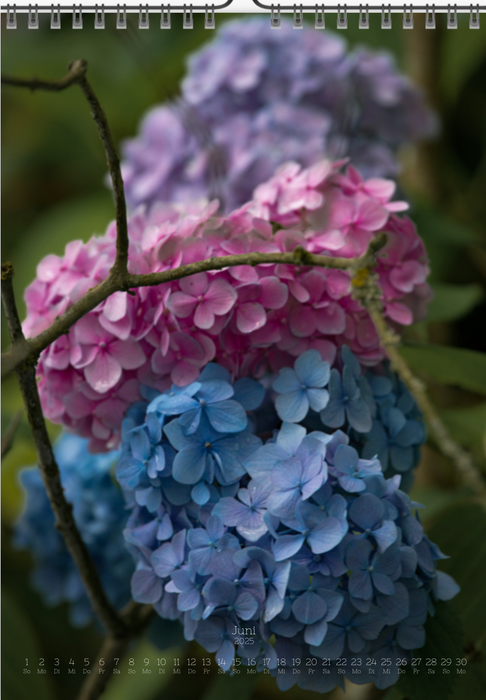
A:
{"points": [[34, 346], [77, 76], [7, 439], [49, 471], [367, 290], [136, 617]]}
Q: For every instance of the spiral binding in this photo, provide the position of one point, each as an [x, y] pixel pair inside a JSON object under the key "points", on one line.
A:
{"points": [[210, 16]]}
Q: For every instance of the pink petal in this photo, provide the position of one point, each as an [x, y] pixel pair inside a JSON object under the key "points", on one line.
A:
{"points": [[83, 355], [204, 317], [366, 333], [331, 320], [128, 353], [121, 329], [274, 293], [338, 284], [331, 240], [372, 216], [186, 346], [49, 268], [110, 412], [77, 405], [407, 275], [302, 321], [162, 364], [380, 189], [99, 430], [326, 348], [184, 373], [182, 305], [115, 306], [249, 317], [195, 284], [88, 331], [299, 291], [399, 313], [103, 373], [220, 297]]}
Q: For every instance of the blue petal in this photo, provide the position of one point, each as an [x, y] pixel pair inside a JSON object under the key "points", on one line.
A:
{"points": [[318, 399], [359, 415], [290, 437], [325, 535], [140, 444], [188, 600], [189, 464], [333, 415], [245, 606], [410, 637], [314, 634], [444, 586], [226, 655], [200, 493], [382, 583], [189, 421], [286, 546], [292, 406], [286, 381], [350, 361], [309, 608], [227, 416], [164, 560], [358, 555], [367, 511], [385, 535], [215, 390], [346, 459], [215, 371], [312, 370], [197, 537], [360, 585], [146, 586]]}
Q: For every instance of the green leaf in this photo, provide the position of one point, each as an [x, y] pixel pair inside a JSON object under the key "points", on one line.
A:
{"points": [[452, 301], [444, 639], [464, 368], [142, 686], [20, 644], [460, 57], [460, 532]]}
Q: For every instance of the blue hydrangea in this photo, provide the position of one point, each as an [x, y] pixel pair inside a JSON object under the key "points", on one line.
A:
{"points": [[300, 547], [254, 98], [99, 512]]}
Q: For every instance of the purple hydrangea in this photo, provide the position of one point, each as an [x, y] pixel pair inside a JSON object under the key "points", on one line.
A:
{"points": [[254, 98]]}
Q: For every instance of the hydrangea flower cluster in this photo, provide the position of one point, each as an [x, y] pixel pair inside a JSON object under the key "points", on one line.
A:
{"points": [[295, 552], [99, 511], [252, 320], [254, 98]]}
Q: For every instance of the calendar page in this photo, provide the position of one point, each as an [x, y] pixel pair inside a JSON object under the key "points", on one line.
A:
{"points": [[243, 336]]}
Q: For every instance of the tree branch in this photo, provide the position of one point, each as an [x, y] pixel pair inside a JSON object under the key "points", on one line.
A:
{"points": [[33, 347], [50, 472]]}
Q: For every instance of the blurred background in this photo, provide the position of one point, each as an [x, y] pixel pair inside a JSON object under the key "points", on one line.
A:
{"points": [[53, 191]]}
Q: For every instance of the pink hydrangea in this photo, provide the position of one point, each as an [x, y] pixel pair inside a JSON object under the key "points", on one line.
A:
{"points": [[250, 319]]}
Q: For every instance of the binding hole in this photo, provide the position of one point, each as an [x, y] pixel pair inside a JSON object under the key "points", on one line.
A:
{"points": [[408, 17], [320, 22], [11, 18], [275, 17], [209, 18], [165, 18], [342, 19], [55, 17], [429, 18], [386, 20], [298, 17], [99, 22], [77, 17], [364, 20], [452, 17], [187, 19], [33, 21], [121, 17], [474, 20]]}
